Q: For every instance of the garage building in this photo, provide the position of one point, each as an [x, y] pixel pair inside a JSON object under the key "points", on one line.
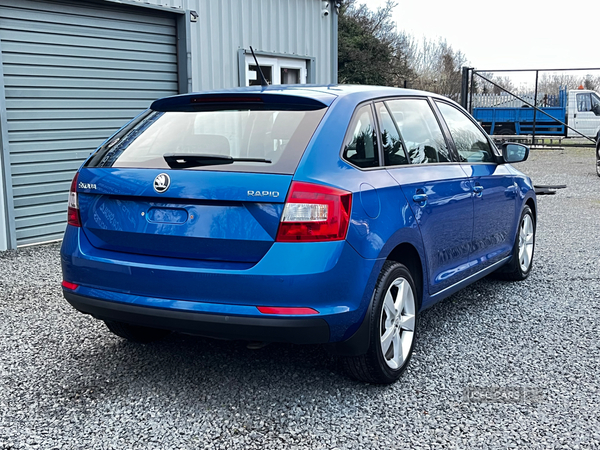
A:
{"points": [[73, 72]]}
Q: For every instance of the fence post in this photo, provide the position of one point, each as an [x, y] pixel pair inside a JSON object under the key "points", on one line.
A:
{"points": [[535, 94], [464, 91]]}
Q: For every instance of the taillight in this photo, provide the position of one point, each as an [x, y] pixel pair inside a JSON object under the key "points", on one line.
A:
{"points": [[315, 213], [73, 210], [68, 285], [286, 310]]}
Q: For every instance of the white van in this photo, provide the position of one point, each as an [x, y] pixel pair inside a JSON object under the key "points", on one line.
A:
{"points": [[583, 113]]}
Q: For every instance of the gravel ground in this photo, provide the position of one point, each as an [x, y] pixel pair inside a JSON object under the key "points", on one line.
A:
{"points": [[498, 365]]}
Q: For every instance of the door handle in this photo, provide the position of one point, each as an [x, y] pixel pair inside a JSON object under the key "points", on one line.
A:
{"points": [[420, 198], [478, 189]]}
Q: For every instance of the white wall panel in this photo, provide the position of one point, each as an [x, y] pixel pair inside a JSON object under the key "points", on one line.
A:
{"points": [[288, 27]]}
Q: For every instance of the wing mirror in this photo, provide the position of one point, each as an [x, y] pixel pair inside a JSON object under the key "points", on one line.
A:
{"points": [[514, 153]]}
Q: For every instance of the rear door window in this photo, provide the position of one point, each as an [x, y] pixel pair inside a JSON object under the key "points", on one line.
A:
{"points": [[420, 130], [394, 153], [237, 140]]}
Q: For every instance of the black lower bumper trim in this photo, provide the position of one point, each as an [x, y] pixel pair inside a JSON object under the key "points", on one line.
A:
{"points": [[296, 331]]}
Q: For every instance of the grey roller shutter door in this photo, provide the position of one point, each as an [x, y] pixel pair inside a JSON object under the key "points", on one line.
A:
{"points": [[74, 73]]}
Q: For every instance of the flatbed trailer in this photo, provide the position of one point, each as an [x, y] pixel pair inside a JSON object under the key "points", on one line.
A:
{"points": [[519, 120]]}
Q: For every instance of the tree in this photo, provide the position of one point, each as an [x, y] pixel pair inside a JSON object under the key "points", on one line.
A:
{"points": [[438, 68], [370, 51], [591, 83], [552, 83], [485, 87]]}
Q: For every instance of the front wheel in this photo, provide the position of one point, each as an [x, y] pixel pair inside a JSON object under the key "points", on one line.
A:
{"points": [[394, 317], [522, 256]]}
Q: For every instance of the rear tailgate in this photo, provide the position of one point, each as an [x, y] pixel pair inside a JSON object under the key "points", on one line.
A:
{"points": [[219, 216], [200, 176]]}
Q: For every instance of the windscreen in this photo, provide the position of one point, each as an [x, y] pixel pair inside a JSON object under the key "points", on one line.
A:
{"points": [[238, 140]]}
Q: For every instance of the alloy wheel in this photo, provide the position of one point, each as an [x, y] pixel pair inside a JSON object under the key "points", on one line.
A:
{"points": [[397, 321], [526, 237]]}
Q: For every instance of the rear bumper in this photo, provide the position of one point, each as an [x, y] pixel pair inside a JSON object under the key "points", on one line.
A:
{"points": [[193, 297], [295, 331]]}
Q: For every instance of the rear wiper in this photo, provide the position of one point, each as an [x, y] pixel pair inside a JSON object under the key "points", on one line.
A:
{"points": [[185, 160]]}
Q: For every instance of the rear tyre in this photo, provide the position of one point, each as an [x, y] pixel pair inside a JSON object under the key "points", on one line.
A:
{"points": [[394, 316], [136, 333], [505, 132], [522, 256]]}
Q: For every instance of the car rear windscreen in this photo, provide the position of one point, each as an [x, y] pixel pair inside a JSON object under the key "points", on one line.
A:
{"points": [[233, 140]]}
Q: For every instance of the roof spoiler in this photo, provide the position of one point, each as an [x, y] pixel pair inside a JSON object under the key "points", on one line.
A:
{"points": [[237, 100]]}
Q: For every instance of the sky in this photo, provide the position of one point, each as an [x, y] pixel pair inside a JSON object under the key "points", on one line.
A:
{"points": [[508, 34]]}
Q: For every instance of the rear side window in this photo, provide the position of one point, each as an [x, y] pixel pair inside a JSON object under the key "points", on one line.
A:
{"points": [[360, 147], [470, 142], [237, 140], [420, 130], [393, 149]]}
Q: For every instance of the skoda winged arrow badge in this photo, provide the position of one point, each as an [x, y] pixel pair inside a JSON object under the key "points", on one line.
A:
{"points": [[162, 183]]}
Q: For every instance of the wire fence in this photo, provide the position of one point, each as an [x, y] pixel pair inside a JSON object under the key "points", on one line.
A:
{"points": [[505, 100]]}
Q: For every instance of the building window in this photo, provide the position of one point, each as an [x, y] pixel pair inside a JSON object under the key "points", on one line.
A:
{"points": [[254, 78], [277, 70]]}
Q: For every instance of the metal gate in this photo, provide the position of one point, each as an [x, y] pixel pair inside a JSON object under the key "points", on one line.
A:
{"points": [[73, 74], [551, 122]]}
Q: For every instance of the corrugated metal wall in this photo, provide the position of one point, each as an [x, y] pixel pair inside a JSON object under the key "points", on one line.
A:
{"points": [[73, 74], [75, 71], [294, 27]]}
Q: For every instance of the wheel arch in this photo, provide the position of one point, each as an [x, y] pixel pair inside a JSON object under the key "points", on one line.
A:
{"points": [[505, 128], [405, 253], [531, 203]]}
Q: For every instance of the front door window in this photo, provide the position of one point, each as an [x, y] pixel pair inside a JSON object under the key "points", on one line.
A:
{"points": [[470, 142], [584, 102]]}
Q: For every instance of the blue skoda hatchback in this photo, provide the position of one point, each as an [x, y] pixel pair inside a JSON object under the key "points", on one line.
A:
{"points": [[312, 214]]}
